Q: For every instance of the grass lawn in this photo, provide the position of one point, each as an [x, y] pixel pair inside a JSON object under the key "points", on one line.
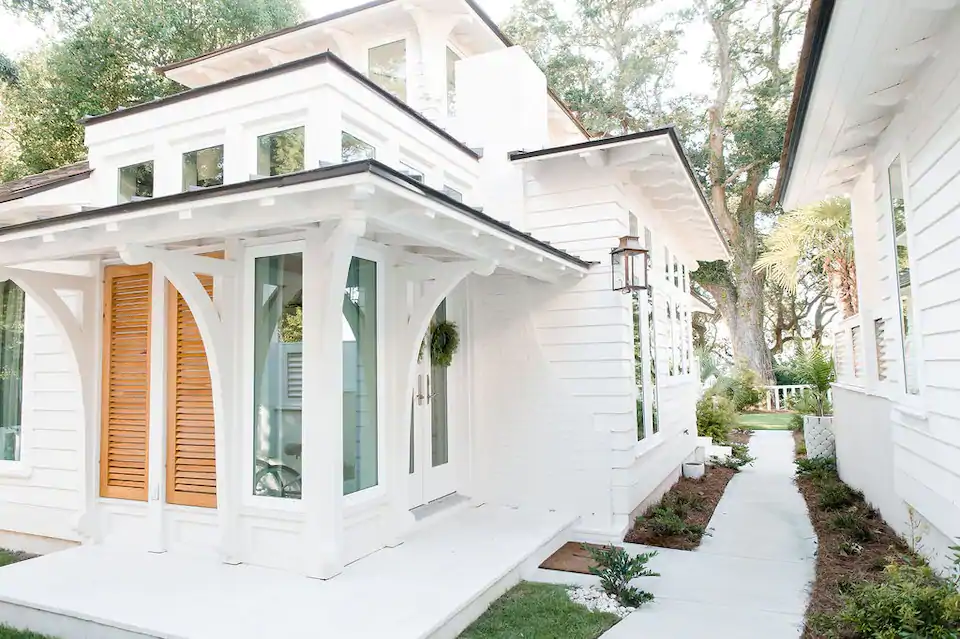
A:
{"points": [[764, 421], [537, 611]]}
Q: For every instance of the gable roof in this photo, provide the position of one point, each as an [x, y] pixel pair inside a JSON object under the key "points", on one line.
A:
{"points": [[39, 182], [330, 17]]}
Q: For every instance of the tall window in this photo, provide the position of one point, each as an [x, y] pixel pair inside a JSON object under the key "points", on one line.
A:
{"points": [[638, 362], [280, 153], [135, 182], [452, 59], [11, 369], [353, 149], [652, 342], [360, 377], [901, 256], [671, 361], [278, 390], [203, 168], [387, 66]]}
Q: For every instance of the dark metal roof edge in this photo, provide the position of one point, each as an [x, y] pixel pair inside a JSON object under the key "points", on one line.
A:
{"points": [[273, 34], [669, 131], [46, 186], [319, 58], [703, 300], [373, 167], [806, 79]]}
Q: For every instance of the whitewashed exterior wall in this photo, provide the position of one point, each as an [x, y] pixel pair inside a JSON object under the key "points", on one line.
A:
{"points": [[904, 450], [41, 495]]}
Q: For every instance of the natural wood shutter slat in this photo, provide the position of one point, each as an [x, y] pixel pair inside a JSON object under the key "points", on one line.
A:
{"points": [[125, 420], [191, 451]]}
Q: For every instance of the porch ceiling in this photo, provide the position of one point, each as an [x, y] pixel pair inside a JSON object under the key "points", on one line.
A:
{"points": [[401, 213], [654, 166], [861, 75]]}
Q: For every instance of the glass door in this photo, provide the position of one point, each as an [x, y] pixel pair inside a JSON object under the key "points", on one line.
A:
{"points": [[432, 474]]}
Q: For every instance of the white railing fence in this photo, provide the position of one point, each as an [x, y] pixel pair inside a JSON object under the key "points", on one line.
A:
{"points": [[778, 397]]}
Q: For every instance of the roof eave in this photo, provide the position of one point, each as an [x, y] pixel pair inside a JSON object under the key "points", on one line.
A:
{"points": [[815, 35]]}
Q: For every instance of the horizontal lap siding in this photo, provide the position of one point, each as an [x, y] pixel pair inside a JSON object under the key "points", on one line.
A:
{"points": [[926, 456], [48, 501]]}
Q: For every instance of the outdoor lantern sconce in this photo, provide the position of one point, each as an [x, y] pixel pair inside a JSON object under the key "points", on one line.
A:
{"points": [[629, 263]]}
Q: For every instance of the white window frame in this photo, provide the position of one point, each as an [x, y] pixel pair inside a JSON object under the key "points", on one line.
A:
{"points": [[21, 468]]}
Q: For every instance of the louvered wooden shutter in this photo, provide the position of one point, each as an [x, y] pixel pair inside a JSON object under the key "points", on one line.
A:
{"points": [[880, 335], [125, 409], [191, 458]]}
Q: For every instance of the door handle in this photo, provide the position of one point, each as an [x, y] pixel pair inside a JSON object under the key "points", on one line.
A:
{"points": [[420, 394], [429, 395]]}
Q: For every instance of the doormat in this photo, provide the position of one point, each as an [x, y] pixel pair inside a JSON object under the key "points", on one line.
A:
{"points": [[573, 556]]}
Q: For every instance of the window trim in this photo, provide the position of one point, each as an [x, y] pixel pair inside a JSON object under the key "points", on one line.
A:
{"points": [[365, 250], [248, 335], [136, 198], [22, 468], [223, 158]]}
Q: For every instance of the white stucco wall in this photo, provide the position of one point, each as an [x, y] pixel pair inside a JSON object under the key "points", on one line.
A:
{"points": [[910, 456]]}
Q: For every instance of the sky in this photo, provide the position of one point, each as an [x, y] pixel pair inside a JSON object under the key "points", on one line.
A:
{"points": [[692, 75]]}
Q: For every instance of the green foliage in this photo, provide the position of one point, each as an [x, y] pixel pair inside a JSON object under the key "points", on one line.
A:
{"points": [[105, 59], [444, 343], [816, 370], [745, 387], [818, 468], [617, 568], [537, 611], [291, 325], [738, 458], [6, 632], [834, 495], [909, 602], [853, 525], [715, 418]]}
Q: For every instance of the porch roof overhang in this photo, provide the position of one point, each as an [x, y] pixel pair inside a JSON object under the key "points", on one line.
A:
{"points": [[654, 163], [401, 212], [857, 71]]}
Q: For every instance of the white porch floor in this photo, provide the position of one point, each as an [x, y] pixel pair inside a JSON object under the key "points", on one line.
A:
{"points": [[430, 586]]}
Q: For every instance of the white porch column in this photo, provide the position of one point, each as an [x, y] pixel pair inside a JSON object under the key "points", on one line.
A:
{"points": [[81, 335], [157, 445], [216, 332], [326, 263], [438, 281]]}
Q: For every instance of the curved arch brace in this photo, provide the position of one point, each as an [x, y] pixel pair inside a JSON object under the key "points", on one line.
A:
{"points": [[443, 278], [216, 342], [42, 288]]}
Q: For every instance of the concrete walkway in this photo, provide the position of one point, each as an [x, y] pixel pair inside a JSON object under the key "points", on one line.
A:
{"points": [[749, 579]]}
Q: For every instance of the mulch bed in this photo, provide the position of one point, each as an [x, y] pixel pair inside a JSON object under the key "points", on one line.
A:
{"points": [[573, 556], [709, 488], [834, 569]]}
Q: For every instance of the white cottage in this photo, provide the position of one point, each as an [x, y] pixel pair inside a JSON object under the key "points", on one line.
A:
{"points": [[876, 116], [221, 368]]}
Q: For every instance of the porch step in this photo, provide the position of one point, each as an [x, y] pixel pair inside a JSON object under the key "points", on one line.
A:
{"points": [[431, 587]]}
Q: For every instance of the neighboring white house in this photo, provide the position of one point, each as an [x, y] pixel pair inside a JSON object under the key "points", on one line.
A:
{"points": [[876, 116], [337, 185]]}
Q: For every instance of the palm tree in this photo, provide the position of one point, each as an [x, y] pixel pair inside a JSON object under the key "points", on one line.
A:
{"points": [[816, 238]]}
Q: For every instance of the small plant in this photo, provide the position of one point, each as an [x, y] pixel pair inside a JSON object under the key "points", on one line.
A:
{"points": [[850, 548], [715, 417], [745, 388], [855, 526], [817, 467], [834, 495], [617, 568], [738, 458], [910, 602], [665, 522]]}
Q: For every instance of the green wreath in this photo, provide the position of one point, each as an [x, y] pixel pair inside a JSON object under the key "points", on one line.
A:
{"points": [[444, 340]]}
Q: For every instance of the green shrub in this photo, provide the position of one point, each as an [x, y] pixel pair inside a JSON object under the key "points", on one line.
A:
{"points": [[617, 568], [715, 418], [853, 525], [910, 602], [739, 457], [745, 388], [816, 467], [834, 495]]}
